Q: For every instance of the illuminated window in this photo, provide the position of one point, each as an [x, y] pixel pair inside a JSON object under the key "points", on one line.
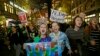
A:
{"points": [[92, 15], [5, 6], [10, 9], [11, 3], [99, 19], [99, 14]]}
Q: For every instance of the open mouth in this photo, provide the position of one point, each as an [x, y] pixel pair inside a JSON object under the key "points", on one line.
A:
{"points": [[43, 30]]}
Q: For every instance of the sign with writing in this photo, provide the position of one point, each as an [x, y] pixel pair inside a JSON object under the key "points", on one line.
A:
{"points": [[43, 49], [22, 17], [57, 16]]}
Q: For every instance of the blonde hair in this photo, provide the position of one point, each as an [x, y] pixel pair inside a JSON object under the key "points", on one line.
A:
{"points": [[90, 23], [46, 28]]}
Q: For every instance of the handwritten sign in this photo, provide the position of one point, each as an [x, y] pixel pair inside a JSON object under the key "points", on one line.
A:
{"points": [[57, 16]]}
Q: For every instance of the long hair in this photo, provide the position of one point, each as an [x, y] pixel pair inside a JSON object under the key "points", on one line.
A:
{"points": [[91, 25], [73, 21], [46, 29], [59, 25]]}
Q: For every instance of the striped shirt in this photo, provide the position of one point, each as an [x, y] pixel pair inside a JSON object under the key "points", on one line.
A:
{"points": [[72, 34], [95, 35]]}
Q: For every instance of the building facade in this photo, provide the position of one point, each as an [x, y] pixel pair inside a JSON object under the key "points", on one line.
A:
{"points": [[90, 7], [7, 10]]}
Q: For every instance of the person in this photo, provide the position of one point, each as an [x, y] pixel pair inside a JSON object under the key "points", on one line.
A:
{"points": [[82, 15], [25, 33], [59, 37], [3, 34], [42, 37], [15, 40], [75, 34], [92, 33], [4, 44], [31, 32]]}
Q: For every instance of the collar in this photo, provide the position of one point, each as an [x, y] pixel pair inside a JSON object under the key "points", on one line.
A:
{"points": [[56, 34]]}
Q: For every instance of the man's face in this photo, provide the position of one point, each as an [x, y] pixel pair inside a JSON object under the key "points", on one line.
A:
{"points": [[82, 15]]}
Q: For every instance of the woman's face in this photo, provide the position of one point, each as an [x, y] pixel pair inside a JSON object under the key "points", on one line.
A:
{"points": [[55, 27], [94, 21], [78, 22], [43, 29]]}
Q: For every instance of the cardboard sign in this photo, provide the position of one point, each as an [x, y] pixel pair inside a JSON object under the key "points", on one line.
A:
{"points": [[22, 17], [57, 16], [43, 49]]}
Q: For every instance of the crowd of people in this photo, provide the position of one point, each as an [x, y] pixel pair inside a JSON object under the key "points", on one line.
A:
{"points": [[78, 39]]}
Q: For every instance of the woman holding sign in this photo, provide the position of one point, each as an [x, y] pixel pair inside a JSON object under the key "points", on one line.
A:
{"points": [[42, 37], [59, 37], [42, 49]]}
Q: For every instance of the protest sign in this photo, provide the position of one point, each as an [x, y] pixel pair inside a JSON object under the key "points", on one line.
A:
{"points": [[43, 49], [57, 16]]}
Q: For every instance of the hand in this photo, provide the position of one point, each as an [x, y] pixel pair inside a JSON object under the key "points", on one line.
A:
{"points": [[93, 42], [76, 51], [70, 51]]}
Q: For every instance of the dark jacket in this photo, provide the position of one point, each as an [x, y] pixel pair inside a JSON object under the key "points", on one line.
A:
{"points": [[14, 38]]}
